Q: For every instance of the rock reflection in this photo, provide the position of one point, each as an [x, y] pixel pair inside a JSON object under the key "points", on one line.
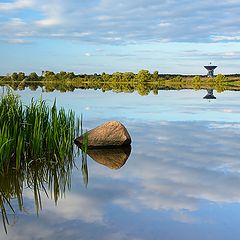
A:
{"points": [[209, 94], [113, 158]]}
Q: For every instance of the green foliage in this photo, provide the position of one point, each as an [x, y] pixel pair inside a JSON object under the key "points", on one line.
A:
{"points": [[21, 76], [14, 76], [197, 82], [155, 76], [143, 89], [143, 76], [35, 132], [177, 79], [128, 76], [197, 79], [220, 82], [37, 150], [33, 77], [17, 77], [49, 76], [220, 78], [105, 77], [120, 82], [116, 77], [70, 75]]}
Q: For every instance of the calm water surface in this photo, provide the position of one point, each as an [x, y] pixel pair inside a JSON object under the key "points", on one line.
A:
{"points": [[181, 180]]}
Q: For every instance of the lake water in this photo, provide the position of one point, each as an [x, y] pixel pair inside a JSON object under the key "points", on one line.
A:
{"points": [[181, 180]]}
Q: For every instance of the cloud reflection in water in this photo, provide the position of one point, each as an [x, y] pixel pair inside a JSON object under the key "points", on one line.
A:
{"points": [[181, 181]]}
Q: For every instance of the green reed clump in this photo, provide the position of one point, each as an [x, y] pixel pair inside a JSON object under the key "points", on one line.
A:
{"points": [[35, 132]]}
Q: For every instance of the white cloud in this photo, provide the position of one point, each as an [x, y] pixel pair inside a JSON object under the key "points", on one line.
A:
{"points": [[48, 22], [111, 21], [16, 23], [225, 38], [202, 165], [76, 206], [175, 177], [18, 4], [17, 41], [72, 207], [164, 24]]}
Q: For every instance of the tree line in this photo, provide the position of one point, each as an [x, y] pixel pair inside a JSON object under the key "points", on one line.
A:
{"points": [[144, 82]]}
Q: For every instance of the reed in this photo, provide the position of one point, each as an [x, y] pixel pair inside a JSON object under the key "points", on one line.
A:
{"points": [[37, 150], [35, 132]]}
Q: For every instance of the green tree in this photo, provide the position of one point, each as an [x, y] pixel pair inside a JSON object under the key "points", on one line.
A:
{"points": [[33, 77], [220, 78], [61, 75], [155, 91], [143, 89], [49, 76], [21, 76], [7, 78], [116, 77], [127, 76], [196, 82], [70, 75], [14, 76], [143, 76], [105, 77], [219, 82], [155, 76], [197, 79]]}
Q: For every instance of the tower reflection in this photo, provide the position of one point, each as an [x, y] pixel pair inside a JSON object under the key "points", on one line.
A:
{"points": [[209, 94]]}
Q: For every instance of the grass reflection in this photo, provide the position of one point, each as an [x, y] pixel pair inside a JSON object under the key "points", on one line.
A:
{"points": [[48, 177], [84, 168], [36, 151]]}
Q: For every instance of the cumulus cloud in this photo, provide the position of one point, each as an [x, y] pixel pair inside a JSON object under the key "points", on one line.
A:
{"points": [[118, 22]]}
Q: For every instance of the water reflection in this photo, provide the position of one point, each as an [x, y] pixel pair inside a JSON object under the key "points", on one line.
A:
{"points": [[112, 158], [185, 176], [209, 94], [48, 178], [142, 89], [84, 168]]}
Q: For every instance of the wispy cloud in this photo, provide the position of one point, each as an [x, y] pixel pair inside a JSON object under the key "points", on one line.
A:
{"points": [[16, 5], [118, 22]]}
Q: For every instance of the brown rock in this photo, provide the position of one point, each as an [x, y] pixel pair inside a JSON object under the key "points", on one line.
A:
{"points": [[108, 135], [113, 158]]}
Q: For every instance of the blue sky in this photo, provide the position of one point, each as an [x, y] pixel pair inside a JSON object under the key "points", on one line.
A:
{"points": [[108, 35]]}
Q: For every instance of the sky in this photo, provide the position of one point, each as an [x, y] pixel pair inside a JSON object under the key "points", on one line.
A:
{"points": [[95, 36]]}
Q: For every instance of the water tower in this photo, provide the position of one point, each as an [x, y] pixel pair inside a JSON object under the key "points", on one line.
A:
{"points": [[210, 69]]}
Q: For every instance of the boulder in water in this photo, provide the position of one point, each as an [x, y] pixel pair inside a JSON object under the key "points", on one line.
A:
{"points": [[108, 135]]}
